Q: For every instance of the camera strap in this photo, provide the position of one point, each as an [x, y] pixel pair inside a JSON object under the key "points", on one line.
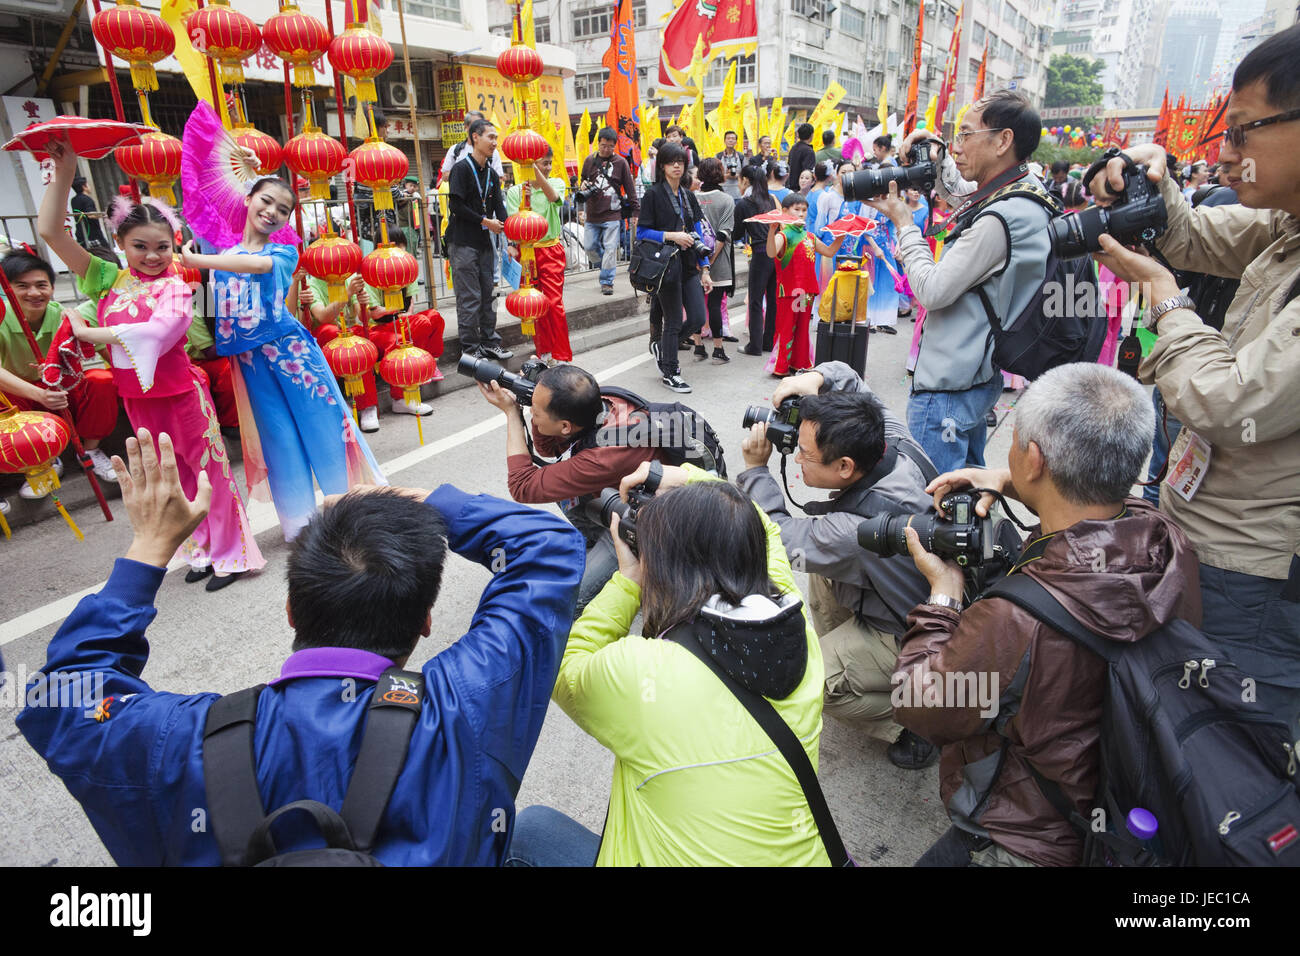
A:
{"points": [[965, 213]]}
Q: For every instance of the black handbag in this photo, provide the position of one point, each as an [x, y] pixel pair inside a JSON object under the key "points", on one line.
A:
{"points": [[651, 264]]}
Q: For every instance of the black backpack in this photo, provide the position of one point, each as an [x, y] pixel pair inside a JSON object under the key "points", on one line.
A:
{"points": [[1064, 322], [680, 433], [1177, 739], [239, 822]]}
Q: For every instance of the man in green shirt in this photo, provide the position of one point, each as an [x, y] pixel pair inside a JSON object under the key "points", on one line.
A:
{"points": [[93, 401], [551, 330]]}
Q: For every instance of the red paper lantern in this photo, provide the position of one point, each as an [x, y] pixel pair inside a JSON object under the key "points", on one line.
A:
{"points": [[29, 443], [524, 146], [526, 226], [379, 166], [390, 270], [297, 38], [350, 357], [408, 368], [225, 35], [333, 259], [140, 37], [520, 64], [361, 55], [157, 161], [527, 303], [316, 157], [269, 153]]}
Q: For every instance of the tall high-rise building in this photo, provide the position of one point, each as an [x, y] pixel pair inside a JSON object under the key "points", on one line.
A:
{"points": [[1190, 38], [1117, 32]]}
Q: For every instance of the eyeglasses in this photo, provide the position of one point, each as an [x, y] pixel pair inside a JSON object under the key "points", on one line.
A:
{"points": [[960, 138], [1235, 136]]}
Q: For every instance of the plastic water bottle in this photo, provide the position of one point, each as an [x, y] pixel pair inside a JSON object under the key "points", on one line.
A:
{"points": [[1144, 826]]}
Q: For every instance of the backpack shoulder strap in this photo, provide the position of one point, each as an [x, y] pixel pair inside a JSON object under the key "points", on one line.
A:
{"points": [[917, 454], [394, 710], [779, 731], [1027, 594], [235, 808]]}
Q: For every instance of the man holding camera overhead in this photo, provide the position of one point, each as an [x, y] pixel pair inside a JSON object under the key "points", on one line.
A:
{"points": [[998, 243], [1236, 392], [849, 442]]}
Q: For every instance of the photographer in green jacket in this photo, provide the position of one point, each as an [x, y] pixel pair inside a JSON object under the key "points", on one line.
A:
{"points": [[697, 782]]}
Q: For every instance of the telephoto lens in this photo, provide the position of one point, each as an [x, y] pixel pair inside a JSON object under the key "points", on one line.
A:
{"points": [[782, 424], [1138, 215], [487, 371], [603, 509], [871, 183]]}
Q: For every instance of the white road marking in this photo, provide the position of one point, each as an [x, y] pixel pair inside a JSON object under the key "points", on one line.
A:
{"points": [[262, 517]]}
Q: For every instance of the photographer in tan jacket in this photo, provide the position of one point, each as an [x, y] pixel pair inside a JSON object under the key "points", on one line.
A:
{"points": [[1237, 392]]}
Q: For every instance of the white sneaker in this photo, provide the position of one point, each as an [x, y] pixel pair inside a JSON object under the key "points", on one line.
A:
{"points": [[101, 465], [400, 407], [370, 419], [30, 493]]}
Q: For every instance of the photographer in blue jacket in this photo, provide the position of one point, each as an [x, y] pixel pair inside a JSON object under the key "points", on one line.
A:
{"points": [[363, 577]]}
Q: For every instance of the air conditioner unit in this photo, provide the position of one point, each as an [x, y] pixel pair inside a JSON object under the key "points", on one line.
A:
{"points": [[399, 94]]}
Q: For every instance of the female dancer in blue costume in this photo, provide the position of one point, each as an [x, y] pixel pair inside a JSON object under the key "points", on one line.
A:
{"points": [[283, 387], [882, 307]]}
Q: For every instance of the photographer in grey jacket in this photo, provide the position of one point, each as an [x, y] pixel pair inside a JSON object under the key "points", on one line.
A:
{"points": [[997, 243], [850, 443]]}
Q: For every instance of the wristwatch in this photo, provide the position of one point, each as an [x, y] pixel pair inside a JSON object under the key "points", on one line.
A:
{"points": [[1168, 305], [943, 600]]}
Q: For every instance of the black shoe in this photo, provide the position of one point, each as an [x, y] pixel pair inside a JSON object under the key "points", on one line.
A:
{"points": [[720, 356], [991, 419], [910, 752], [497, 352], [730, 338], [904, 313], [216, 584], [873, 329], [607, 290], [888, 329], [685, 345], [675, 383], [749, 350], [194, 575], [701, 353]]}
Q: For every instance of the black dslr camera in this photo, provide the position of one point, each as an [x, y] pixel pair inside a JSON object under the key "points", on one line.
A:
{"points": [[1138, 215], [971, 541], [487, 371], [782, 424], [921, 174], [601, 509]]}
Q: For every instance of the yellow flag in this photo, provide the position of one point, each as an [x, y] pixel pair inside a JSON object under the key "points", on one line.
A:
{"points": [[699, 64], [749, 119], [530, 32], [554, 136], [194, 63], [789, 137], [882, 108], [727, 105], [697, 130], [830, 99], [582, 140], [960, 113], [775, 119], [648, 136], [930, 111]]}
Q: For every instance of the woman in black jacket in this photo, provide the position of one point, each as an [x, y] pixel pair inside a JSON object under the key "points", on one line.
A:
{"points": [[762, 270], [669, 212]]}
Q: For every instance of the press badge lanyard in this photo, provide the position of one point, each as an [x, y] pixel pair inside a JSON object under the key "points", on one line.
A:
{"points": [[482, 186]]}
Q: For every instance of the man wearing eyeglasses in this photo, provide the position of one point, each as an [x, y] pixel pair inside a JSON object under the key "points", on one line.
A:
{"points": [[1237, 392], [998, 246]]}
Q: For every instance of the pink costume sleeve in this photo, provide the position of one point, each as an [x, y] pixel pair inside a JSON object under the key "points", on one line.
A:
{"points": [[144, 343]]}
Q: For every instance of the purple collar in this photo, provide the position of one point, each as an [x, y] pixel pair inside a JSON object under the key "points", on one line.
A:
{"points": [[333, 662]]}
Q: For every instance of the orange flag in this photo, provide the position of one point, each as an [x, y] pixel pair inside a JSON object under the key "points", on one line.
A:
{"points": [[624, 115], [979, 76], [913, 84]]}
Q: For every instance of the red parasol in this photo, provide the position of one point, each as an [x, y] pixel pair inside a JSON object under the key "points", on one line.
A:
{"points": [[778, 216], [852, 225], [91, 138]]}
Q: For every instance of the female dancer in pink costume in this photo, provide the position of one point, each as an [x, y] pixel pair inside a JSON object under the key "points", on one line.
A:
{"points": [[144, 314]]}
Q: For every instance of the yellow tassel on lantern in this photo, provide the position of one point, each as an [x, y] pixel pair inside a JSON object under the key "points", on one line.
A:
{"points": [[383, 198], [143, 76], [365, 90], [68, 518], [393, 298], [232, 72], [526, 326], [4, 526], [304, 75], [337, 292], [163, 193]]}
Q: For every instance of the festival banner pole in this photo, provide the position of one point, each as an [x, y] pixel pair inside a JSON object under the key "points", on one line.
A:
{"points": [[419, 159]]}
